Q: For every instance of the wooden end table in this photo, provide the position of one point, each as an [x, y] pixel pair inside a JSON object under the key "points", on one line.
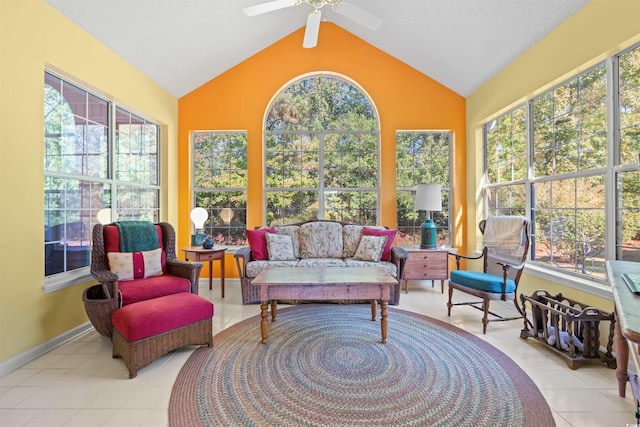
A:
{"points": [[322, 284], [426, 264], [200, 254]]}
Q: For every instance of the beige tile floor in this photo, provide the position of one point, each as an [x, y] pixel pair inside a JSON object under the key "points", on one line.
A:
{"points": [[79, 384]]}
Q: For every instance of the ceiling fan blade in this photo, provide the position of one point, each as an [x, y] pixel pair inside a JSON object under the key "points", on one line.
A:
{"points": [[361, 16], [312, 30], [270, 6]]}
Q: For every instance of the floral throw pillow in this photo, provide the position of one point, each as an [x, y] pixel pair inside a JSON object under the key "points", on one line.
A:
{"points": [[280, 247], [391, 235], [136, 265], [370, 248]]}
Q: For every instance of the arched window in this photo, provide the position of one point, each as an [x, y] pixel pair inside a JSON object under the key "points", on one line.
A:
{"points": [[322, 153]]}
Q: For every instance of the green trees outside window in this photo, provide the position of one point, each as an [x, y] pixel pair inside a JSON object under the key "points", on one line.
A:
{"points": [[422, 157], [321, 153], [220, 183], [87, 169], [576, 139]]}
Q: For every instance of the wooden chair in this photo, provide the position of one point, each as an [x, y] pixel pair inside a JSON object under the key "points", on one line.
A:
{"points": [[501, 270]]}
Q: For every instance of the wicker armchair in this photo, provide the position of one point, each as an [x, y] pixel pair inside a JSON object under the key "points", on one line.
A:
{"points": [[103, 299]]}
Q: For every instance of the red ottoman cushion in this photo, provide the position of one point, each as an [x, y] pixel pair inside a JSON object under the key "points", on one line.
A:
{"points": [[152, 317], [137, 290]]}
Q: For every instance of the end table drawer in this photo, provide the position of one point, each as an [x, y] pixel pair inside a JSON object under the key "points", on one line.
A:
{"points": [[427, 265]]}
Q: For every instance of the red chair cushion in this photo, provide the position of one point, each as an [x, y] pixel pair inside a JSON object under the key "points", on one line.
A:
{"points": [[137, 290], [148, 318]]}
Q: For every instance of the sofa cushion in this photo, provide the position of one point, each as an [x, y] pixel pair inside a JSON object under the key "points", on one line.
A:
{"points": [[321, 240], [391, 235], [370, 248], [149, 318], [294, 232], [258, 243], [152, 287], [253, 268], [388, 266], [481, 281], [136, 265], [321, 262], [280, 247]]}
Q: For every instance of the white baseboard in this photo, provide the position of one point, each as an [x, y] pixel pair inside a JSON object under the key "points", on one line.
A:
{"points": [[22, 359]]}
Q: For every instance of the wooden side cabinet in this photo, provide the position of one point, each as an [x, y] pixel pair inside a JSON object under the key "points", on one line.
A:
{"points": [[426, 264]]}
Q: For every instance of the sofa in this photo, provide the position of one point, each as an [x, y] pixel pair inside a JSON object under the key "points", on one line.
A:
{"points": [[318, 243]]}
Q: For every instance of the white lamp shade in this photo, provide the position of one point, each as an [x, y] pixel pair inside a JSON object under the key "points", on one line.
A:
{"points": [[199, 217], [428, 197]]}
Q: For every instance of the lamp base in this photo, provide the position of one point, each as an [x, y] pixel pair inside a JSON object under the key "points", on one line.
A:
{"points": [[428, 235], [197, 239]]}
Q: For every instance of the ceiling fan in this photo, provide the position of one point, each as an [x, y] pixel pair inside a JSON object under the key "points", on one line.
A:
{"points": [[361, 16]]}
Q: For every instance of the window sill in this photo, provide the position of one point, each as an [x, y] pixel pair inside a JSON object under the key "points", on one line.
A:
{"points": [[65, 280], [590, 286]]}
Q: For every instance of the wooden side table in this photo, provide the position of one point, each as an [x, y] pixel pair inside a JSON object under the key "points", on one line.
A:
{"points": [[426, 264], [200, 254]]}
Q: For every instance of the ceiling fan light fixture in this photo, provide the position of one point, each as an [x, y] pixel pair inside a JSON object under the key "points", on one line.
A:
{"points": [[355, 13]]}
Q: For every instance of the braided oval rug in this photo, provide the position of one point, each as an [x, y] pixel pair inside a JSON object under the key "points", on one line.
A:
{"points": [[324, 365]]}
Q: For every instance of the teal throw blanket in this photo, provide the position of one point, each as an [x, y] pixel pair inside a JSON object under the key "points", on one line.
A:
{"points": [[137, 236]]}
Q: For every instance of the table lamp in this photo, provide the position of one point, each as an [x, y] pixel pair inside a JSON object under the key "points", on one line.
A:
{"points": [[198, 217], [428, 198]]}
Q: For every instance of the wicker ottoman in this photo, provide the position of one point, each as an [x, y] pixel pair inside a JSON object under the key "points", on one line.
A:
{"points": [[146, 330]]}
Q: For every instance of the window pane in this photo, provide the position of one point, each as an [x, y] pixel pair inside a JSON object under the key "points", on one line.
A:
{"points": [[570, 125], [629, 65], [220, 160], [74, 143], [506, 200], [569, 224], [220, 181], [136, 155], [321, 134], [628, 216], [78, 182], [286, 207], [321, 102], [505, 146], [227, 215], [71, 206], [422, 157]]}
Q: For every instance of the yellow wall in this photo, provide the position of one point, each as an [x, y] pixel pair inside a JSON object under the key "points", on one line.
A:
{"points": [[597, 31], [238, 100], [34, 36]]}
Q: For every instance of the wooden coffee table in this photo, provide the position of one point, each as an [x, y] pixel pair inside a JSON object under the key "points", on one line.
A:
{"points": [[323, 284]]}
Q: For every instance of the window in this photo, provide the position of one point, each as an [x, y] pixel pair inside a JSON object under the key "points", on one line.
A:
{"points": [[575, 142], [86, 138], [220, 182], [322, 153], [422, 157]]}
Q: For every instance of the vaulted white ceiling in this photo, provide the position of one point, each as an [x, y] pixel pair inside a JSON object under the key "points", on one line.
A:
{"points": [[182, 44]]}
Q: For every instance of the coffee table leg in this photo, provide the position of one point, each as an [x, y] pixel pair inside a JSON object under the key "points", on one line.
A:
{"points": [[264, 324], [384, 324], [374, 309], [274, 310]]}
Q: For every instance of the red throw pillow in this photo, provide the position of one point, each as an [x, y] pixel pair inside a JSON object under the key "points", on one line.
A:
{"points": [[258, 243], [391, 235]]}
